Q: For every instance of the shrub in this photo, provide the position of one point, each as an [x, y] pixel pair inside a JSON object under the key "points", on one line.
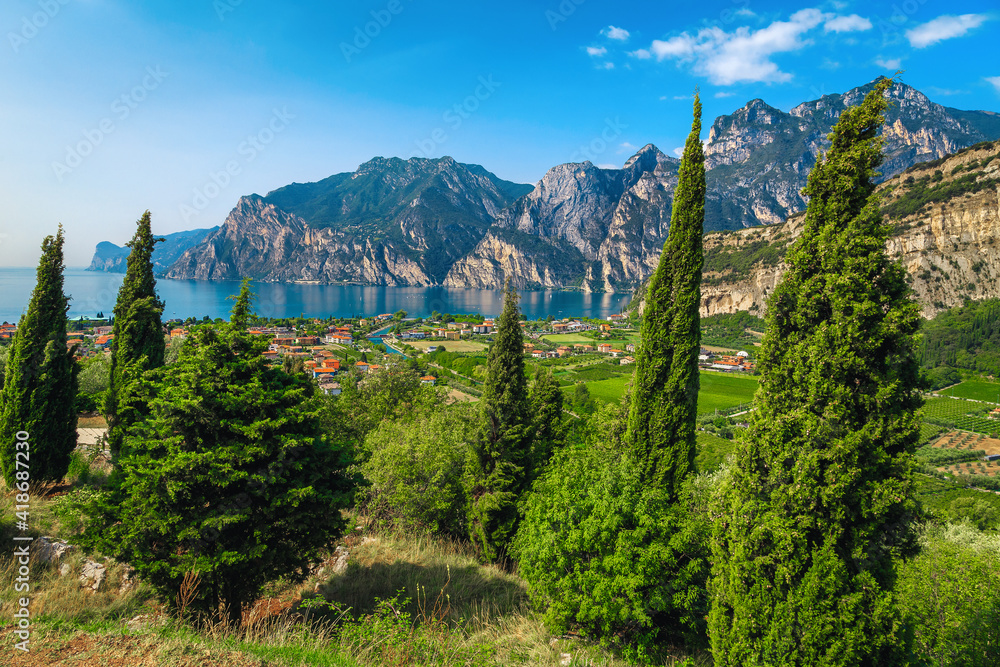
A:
{"points": [[950, 596], [610, 557], [416, 469]]}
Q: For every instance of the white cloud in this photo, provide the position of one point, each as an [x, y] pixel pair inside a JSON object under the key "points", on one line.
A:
{"points": [[612, 32], [641, 54], [596, 51], [719, 95], [744, 54], [887, 63], [744, 12], [682, 97], [607, 166], [609, 65], [625, 147], [942, 28], [679, 151], [994, 81], [852, 23]]}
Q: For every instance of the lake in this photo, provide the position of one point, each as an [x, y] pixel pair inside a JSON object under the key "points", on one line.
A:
{"points": [[92, 292]]}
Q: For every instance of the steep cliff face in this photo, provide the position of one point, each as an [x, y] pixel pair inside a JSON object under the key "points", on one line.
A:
{"points": [[260, 240], [114, 259], [759, 157], [392, 222], [946, 232], [582, 226]]}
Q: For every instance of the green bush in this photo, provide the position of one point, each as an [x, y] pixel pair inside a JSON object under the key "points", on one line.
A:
{"points": [[604, 555], [950, 597], [416, 467]]}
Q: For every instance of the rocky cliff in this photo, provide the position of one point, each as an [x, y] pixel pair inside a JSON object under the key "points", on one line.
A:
{"points": [[114, 259], [392, 222], [945, 216], [429, 222]]}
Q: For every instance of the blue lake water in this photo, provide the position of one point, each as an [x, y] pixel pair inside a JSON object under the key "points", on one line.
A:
{"points": [[92, 292]]}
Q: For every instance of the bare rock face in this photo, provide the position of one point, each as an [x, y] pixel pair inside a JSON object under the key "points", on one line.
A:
{"points": [[950, 249], [50, 549], [92, 575]]}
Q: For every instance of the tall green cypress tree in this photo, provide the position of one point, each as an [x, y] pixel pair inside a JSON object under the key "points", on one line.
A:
{"points": [[820, 501], [39, 391], [664, 402], [498, 474], [138, 344], [549, 430]]}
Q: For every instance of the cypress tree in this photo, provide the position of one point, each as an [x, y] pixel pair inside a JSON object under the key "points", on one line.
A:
{"points": [[138, 343], [664, 403], [498, 474], [820, 499], [39, 391]]}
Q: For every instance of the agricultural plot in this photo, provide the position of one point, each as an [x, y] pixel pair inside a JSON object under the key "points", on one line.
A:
{"points": [[449, 345], [977, 390], [960, 414], [973, 445], [938, 495], [718, 390]]}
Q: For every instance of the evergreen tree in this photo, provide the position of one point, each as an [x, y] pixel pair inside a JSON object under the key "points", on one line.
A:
{"points": [[40, 383], [498, 475], [664, 402], [549, 429], [138, 343], [227, 478], [820, 499]]}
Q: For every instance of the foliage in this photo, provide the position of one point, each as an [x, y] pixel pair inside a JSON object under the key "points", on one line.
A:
{"points": [[921, 192], [734, 264], [607, 554], [138, 343], [227, 480], [950, 596], [966, 336], [665, 386], [820, 499], [549, 426], [40, 382], [731, 330], [496, 474], [415, 469]]}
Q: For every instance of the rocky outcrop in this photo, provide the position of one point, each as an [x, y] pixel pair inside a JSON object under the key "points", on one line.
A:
{"points": [[950, 248], [114, 259], [582, 226]]}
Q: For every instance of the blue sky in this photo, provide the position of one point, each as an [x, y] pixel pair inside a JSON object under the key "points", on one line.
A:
{"points": [[112, 107]]}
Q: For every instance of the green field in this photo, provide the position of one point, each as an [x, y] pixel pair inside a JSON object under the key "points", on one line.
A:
{"points": [[569, 339], [961, 414], [718, 390], [712, 451], [977, 390], [937, 495]]}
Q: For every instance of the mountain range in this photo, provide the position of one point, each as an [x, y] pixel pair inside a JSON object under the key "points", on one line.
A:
{"points": [[440, 222]]}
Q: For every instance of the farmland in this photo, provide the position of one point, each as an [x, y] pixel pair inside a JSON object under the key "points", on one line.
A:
{"points": [[718, 390], [961, 414], [976, 390]]}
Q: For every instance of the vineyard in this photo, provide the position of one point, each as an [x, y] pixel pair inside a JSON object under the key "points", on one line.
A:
{"points": [[960, 413]]}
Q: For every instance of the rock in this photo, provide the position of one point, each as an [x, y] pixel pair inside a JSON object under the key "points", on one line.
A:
{"points": [[49, 549], [65, 569], [565, 659], [340, 564], [92, 575]]}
